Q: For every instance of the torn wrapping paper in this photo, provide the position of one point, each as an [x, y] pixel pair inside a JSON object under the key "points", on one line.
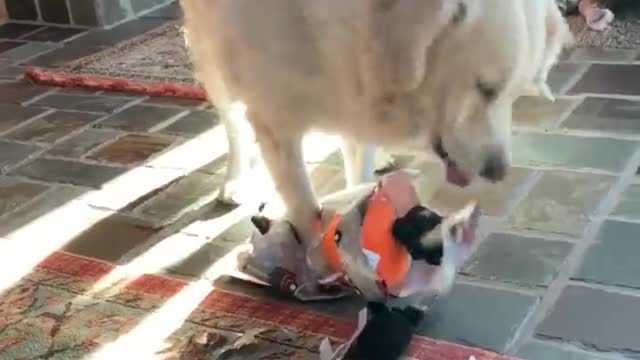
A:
{"points": [[356, 253], [326, 350]]}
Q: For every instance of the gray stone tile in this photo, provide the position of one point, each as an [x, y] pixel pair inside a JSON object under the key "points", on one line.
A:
{"points": [[120, 94], [326, 179], [478, 316], [11, 154], [139, 118], [27, 51], [609, 79], [37, 208], [216, 166], [11, 72], [22, 9], [52, 127], [55, 34], [562, 75], [525, 261], [117, 34], [70, 172], [169, 12], [16, 192], [614, 259], [596, 318], [237, 233], [110, 239], [132, 149], [629, 205], [208, 226], [613, 116], [494, 199], [69, 52], [81, 144], [592, 54], [193, 124], [82, 91], [6, 45], [540, 113], [538, 350], [561, 202], [178, 198], [100, 12], [17, 30], [197, 264], [54, 11], [109, 12], [17, 92], [14, 115], [87, 103], [572, 152], [83, 13], [174, 102], [334, 159], [143, 5]]}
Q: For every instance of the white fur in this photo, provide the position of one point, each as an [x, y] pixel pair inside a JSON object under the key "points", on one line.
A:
{"points": [[380, 72]]}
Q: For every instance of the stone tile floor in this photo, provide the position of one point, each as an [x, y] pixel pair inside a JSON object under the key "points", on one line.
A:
{"points": [[130, 179]]}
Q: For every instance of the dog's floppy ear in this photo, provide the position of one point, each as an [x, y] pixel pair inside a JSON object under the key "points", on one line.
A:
{"points": [[401, 32]]}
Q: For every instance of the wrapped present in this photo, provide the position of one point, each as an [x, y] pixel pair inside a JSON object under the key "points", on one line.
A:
{"points": [[378, 247]]}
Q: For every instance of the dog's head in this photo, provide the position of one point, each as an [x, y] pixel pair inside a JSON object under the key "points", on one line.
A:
{"points": [[482, 60], [476, 63]]}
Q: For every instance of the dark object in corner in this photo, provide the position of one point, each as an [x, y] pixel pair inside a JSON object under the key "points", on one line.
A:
{"points": [[623, 9], [387, 334]]}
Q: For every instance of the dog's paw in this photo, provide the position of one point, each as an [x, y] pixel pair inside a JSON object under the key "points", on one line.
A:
{"points": [[231, 193], [545, 91], [241, 191]]}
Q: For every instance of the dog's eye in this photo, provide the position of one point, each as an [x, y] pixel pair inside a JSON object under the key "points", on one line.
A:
{"points": [[487, 91], [337, 237]]}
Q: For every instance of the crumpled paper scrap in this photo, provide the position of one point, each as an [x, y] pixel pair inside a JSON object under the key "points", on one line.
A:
{"points": [[327, 352]]}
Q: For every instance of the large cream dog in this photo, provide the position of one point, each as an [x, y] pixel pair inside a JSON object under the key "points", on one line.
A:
{"points": [[437, 75]]}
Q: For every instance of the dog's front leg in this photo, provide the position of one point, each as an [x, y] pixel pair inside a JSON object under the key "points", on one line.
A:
{"points": [[359, 163], [282, 155]]}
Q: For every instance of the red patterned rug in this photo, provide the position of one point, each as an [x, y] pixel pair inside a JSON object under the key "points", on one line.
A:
{"points": [[53, 313], [156, 63]]}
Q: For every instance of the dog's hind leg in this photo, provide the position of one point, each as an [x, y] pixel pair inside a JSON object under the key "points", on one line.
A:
{"points": [[558, 37], [359, 163]]}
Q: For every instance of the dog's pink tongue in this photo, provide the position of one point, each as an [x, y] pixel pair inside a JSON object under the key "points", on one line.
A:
{"points": [[456, 177]]}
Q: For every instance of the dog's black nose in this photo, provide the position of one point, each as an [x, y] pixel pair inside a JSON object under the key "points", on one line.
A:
{"points": [[495, 169]]}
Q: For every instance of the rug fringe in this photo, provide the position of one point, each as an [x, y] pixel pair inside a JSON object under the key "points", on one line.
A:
{"points": [[59, 79]]}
